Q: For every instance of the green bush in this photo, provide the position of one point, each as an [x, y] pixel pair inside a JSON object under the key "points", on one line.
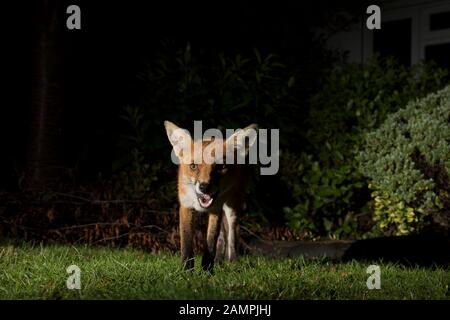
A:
{"points": [[408, 163], [222, 90], [326, 184], [322, 194]]}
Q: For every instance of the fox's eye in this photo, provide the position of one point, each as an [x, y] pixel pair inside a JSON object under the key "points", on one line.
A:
{"points": [[193, 166]]}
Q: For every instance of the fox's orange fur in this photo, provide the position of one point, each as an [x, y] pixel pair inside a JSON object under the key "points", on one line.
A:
{"points": [[216, 188]]}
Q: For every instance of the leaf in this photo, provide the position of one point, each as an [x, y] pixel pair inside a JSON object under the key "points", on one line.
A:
{"points": [[258, 55], [291, 81], [258, 77]]}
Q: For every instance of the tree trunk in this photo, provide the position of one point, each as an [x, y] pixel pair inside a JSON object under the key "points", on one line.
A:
{"points": [[43, 161]]}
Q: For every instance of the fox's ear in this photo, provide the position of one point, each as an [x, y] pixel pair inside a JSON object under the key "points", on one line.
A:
{"points": [[242, 140], [179, 138]]}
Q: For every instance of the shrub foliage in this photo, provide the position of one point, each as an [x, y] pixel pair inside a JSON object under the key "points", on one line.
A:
{"points": [[324, 180], [408, 163]]}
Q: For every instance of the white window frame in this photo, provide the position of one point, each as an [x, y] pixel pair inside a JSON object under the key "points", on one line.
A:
{"points": [[428, 37], [421, 35]]}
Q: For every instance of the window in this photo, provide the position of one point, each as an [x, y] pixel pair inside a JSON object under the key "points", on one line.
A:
{"points": [[394, 39], [439, 21], [439, 53]]}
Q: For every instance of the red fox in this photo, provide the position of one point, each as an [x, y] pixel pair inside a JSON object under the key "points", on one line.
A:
{"points": [[216, 187]]}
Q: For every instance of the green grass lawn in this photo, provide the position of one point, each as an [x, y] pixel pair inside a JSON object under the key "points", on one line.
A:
{"points": [[39, 272]]}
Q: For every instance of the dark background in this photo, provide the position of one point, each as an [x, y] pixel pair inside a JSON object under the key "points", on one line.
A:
{"points": [[95, 68]]}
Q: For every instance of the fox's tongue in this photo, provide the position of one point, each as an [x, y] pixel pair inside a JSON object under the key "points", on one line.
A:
{"points": [[205, 200]]}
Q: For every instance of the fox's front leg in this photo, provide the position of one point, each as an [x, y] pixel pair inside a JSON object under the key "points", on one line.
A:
{"points": [[186, 234], [221, 242], [231, 227], [214, 225]]}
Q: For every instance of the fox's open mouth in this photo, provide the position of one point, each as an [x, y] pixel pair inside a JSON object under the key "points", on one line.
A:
{"points": [[205, 200]]}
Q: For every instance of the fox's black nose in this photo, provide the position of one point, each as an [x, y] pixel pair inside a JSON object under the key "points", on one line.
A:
{"points": [[204, 187]]}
